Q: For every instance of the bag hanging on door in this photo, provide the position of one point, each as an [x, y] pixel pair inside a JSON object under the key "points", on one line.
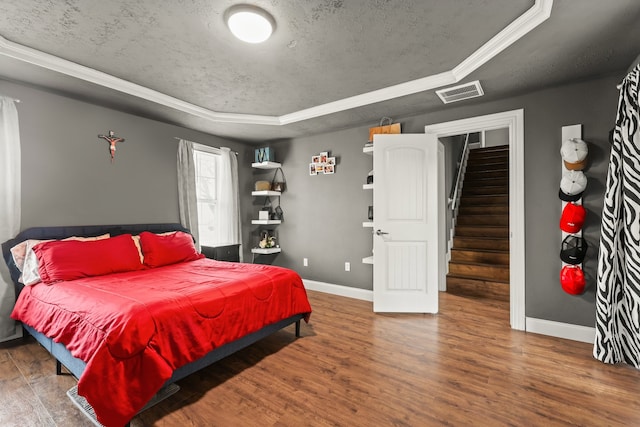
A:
{"points": [[386, 126], [279, 184]]}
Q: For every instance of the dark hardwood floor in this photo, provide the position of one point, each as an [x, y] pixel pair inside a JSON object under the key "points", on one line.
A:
{"points": [[462, 367]]}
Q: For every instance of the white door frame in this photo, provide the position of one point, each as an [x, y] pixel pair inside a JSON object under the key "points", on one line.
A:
{"points": [[514, 120]]}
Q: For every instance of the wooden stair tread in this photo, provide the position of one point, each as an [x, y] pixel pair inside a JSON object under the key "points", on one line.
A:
{"points": [[482, 230], [489, 149], [479, 242], [497, 220], [485, 200], [474, 278], [487, 181], [495, 272], [480, 264], [489, 159], [486, 290], [471, 166], [484, 280], [497, 251], [473, 175]]}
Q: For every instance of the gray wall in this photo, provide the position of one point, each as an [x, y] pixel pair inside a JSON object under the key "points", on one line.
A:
{"points": [[68, 179], [67, 175], [324, 213]]}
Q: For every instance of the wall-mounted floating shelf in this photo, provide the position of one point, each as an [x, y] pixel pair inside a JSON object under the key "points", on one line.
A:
{"points": [[266, 193], [266, 251], [265, 221], [266, 165]]}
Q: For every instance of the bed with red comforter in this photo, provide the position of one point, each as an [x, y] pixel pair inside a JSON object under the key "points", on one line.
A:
{"points": [[134, 328]]}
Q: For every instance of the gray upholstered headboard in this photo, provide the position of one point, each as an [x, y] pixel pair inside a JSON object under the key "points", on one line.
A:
{"points": [[47, 233]]}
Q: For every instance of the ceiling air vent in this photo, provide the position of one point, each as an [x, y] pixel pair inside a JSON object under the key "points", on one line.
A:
{"points": [[460, 92]]}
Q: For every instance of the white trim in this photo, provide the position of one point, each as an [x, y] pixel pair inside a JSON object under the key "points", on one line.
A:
{"points": [[18, 334], [561, 330], [526, 22], [343, 291], [384, 94], [533, 325], [206, 149], [537, 14], [514, 120]]}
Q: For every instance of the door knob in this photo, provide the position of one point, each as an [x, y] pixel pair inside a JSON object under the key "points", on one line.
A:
{"points": [[380, 232]]}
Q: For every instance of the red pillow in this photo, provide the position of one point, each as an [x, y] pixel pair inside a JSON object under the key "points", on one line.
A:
{"points": [[168, 249], [69, 260]]}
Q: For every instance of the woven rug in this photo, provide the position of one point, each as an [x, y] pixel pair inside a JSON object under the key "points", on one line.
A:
{"points": [[87, 410]]}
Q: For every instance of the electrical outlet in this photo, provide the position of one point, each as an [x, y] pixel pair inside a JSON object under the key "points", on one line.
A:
{"points": [[305, 262], [347, 266]]}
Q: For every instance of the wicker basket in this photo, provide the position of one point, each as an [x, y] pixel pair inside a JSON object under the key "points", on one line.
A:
{"points": [[263, 185]]}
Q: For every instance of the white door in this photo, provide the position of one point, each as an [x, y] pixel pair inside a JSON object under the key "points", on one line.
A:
{"points": [[408, 218]]}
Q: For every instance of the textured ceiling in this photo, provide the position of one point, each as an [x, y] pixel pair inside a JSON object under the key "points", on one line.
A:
{"points": [[322, 51]]}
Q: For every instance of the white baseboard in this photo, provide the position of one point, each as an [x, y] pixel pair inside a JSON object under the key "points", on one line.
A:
{"points": [[561, 330], [344, 291], [533, 325], [15, 336]]}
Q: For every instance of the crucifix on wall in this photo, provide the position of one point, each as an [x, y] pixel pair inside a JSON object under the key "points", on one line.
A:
{"points": [[112, 140]]}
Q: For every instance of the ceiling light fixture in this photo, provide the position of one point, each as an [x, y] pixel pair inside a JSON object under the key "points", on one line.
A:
{"points": [[249, 23]]}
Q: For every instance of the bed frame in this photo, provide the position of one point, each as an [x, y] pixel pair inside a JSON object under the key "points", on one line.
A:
{"points": [[76, 366]]}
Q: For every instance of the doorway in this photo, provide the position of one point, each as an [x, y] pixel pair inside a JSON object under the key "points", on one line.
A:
{"points": [[514, 122]]}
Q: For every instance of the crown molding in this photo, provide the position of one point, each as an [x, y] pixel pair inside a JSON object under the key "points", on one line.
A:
{"points": [[536, 15], [384, 94], [72, 69], [526, 22]]}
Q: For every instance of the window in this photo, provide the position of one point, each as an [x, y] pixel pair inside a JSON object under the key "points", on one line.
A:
{"points": [[207, 180]]}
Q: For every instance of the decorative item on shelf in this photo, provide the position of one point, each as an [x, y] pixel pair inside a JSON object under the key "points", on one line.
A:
{"points": [[572, 279], [322, 163], [263, 186], [279, 184], [386, 126], [370, 178], [112, 140], [278, 213], [572, 218], [267, 240], [266, 208], [370, 213], [263, 214], [265, 154], [574, 154], [572, 185], [574, 249]]}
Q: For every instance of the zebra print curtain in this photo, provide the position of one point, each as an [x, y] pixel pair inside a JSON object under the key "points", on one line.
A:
{"points": [[618, 277]]}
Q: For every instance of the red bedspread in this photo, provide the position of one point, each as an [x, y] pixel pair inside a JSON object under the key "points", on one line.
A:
{"points": [[134, 329]]}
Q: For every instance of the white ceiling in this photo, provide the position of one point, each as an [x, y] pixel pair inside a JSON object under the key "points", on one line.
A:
{"points": [[330, 64]]}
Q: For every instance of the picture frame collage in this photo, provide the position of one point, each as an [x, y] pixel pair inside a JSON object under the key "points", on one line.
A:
{"points": [[322, 163]]}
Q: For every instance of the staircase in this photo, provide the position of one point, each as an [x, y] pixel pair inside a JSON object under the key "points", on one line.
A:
{"points": [[479, 263]]}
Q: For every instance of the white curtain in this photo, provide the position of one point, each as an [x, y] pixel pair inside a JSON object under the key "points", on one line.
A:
{"points": [[187, 199], [228, 224], [9, 208]]}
